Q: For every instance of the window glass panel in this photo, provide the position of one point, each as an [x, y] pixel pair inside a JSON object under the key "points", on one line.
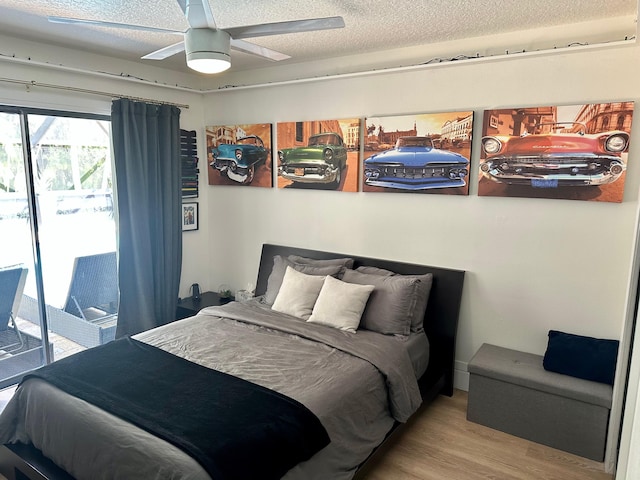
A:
{"points": [[73, 186], [70, 160], [21, 346], [299, 132]]}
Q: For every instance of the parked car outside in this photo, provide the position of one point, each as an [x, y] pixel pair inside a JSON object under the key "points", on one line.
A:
{"points": [[238, 161], [555, 155], [415, 164], [321, 161]]}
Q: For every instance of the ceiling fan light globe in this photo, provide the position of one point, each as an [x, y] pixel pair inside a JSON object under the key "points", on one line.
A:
{"points": [[208, 62]]}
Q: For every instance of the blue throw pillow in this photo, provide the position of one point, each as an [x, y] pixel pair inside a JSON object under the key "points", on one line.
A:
{"points": [[583, 357]]}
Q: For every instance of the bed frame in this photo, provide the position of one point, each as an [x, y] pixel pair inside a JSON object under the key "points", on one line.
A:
{"points": [[25, 462], [441, 324]]}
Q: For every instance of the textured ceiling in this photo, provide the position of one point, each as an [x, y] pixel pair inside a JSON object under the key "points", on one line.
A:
{"points": [[371, 26]]}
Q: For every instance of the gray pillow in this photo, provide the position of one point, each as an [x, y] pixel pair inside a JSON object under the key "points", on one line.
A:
{"points": [[345, 262], [279, 268], [422, 293], [422, 299], [374, 270], [392, 303]]}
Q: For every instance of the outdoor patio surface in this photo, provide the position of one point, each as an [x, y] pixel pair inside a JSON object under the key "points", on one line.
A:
{"points": [[62, 347]]}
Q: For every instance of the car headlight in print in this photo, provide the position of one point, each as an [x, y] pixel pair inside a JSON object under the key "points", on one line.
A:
{"points": [[372, 173], [616, 168], [485, 167], [616, 143], [491, 145], [457, 173]]}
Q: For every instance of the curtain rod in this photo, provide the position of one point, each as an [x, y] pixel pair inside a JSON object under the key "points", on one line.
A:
{"points": [[33, 83]]}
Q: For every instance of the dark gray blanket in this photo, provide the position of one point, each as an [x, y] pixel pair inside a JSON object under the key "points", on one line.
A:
{"points": [[234, 428]]}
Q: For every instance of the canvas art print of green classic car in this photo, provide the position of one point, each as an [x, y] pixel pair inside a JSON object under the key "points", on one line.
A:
{"points": [[239, 155], [319, 155], [321, 161]]}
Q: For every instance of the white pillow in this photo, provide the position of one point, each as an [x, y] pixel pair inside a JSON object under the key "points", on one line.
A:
{"points": [[340, 304], [298, 293]]}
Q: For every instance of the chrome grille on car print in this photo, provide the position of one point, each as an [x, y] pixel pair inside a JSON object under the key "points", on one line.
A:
{"points": [[300, 171], [542, 159], [412, 172]]}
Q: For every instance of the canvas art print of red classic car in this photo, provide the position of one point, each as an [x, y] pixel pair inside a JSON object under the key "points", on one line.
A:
{"points": [[574, 152], [426, 153]]}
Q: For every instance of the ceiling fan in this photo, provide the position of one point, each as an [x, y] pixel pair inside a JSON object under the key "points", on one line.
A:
{"points": [[206, 46]]}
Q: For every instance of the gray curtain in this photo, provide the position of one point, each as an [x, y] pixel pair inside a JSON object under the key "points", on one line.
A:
{"points": [[146, 150]]}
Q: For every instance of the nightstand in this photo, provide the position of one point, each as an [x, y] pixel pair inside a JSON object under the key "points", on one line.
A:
{"points": [[188, 307]]}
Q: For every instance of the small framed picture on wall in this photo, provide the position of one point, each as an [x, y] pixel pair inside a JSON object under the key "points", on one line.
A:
{"points": [[189, 216]]}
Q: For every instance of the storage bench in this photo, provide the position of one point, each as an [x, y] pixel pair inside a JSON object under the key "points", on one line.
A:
{"points": [[512, 392]]}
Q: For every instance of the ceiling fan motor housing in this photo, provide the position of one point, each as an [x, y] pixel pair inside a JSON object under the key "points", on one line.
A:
{"points": [[206, 43]]}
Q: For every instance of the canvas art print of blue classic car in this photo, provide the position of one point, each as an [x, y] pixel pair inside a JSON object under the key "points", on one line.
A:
{"points": [[240, 155], [415, 164], [319, 154], [426, 153]]}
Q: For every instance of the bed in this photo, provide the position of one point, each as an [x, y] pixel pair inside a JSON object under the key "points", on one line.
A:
{"points": [[360, 387]]}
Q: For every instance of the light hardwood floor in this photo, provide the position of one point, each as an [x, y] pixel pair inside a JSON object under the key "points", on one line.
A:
{"points": [[440, 444]]}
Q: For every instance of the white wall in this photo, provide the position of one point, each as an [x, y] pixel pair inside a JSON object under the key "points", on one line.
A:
{"points": [[533, 264]]}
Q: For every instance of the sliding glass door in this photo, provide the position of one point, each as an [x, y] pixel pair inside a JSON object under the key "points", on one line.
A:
{"points": [[22, 346], [57, 227]]}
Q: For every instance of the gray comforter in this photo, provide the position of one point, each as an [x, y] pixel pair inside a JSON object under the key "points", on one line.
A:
{"points": [[356, 385]]}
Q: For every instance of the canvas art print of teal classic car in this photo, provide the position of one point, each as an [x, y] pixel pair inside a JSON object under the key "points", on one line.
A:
{"points": [[415, 164], [239, 160], [321, 161]]}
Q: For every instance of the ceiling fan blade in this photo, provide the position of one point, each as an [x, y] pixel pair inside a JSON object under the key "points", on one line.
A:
{"points": [[252, 48], [198, 13], [165, 52], [279, 28], [98, 23]]}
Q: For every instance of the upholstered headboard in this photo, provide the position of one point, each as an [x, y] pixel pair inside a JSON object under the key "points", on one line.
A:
{"points": [[441, 317]]}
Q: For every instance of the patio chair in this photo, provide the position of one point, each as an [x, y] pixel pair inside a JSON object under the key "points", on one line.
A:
{"points": [[93, 292], [12, 280]]}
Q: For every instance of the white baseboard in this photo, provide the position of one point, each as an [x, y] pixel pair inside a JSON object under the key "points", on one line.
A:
{"points": [[460, 376]]}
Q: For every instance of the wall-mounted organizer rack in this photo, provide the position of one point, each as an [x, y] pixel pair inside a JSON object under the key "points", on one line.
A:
{"points": [[189, 162]]}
